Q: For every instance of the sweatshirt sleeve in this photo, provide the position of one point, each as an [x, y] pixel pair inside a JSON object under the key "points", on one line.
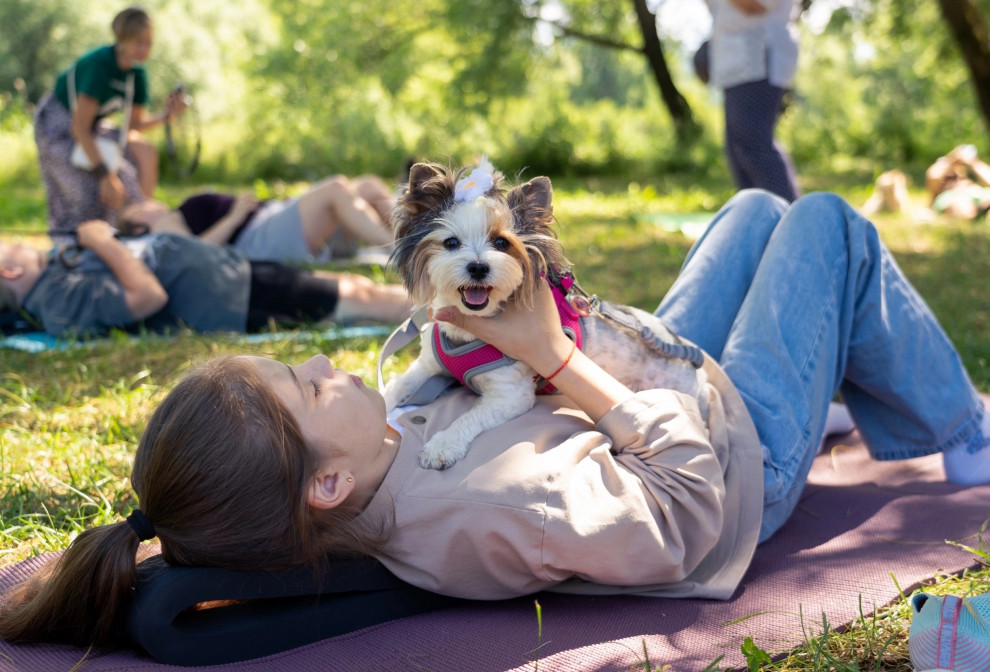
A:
{"points": [[645, 509]]}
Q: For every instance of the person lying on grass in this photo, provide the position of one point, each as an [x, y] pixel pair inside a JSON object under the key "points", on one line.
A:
{"points": [[164, 281], [329, 221], [253, 464], [959, 184]]}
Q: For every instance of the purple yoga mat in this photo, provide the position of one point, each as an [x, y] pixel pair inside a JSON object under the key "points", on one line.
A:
{"points": [[858, 523]]}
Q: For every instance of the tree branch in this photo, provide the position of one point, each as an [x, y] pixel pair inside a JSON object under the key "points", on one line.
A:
{"points": [[600, 40]]}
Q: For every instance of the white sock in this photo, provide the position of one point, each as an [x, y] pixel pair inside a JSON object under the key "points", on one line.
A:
{"points": [[837, 421], [966, 468]]}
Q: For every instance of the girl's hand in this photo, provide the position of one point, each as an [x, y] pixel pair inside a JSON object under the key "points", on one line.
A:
{"points": [[244, 205], [176, 104], [92, 233], [112, 191], [532, 335]]}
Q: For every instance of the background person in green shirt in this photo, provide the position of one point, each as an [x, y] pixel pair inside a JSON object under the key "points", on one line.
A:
{"points": [[100, 80]]}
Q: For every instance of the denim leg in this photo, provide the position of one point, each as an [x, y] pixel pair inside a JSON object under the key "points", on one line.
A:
{"points": [[703, 302], [828, 306]]}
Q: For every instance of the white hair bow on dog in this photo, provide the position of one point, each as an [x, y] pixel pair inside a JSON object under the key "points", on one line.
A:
{"points": [[476, 184]]}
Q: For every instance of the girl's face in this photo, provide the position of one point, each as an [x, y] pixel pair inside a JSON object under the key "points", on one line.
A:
{"points": [[340, 417], [135, 49]]}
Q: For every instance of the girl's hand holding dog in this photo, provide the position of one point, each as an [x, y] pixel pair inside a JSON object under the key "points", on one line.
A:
{"points": [[533, 335]]}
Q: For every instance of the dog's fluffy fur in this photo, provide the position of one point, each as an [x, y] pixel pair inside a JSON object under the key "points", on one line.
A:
{"points": [[477, 255]]}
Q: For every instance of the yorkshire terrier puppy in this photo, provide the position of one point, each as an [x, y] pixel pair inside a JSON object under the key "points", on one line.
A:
{"points": [[467, 242]]}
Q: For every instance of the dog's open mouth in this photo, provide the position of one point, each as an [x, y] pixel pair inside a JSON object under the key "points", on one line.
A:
{"points": [[475, 298]]}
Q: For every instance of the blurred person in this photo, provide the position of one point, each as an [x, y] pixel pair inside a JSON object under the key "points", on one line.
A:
{"points": [[890, 193], [329, 221], [752, 56], [70, 124], [958, 184], [164, 281]]}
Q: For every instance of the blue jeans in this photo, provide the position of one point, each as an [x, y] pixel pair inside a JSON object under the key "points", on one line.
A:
{"points": [[797, 302]]}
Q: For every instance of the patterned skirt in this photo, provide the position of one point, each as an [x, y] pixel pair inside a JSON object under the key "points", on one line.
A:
{"points": [[73, 193]]}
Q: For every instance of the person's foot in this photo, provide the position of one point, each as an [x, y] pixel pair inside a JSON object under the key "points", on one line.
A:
{"points": [[360, 298], [969, 464], [837, 421], [949, 634]]}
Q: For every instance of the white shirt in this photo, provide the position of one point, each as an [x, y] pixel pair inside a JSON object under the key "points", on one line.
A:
{"points": [[749, 48]]}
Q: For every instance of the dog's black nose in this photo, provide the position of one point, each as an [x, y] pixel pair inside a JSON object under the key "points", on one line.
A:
{"points": [[477, 270]]}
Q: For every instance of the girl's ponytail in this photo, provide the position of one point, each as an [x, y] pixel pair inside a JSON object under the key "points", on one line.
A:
{"points": [[82, 597]]}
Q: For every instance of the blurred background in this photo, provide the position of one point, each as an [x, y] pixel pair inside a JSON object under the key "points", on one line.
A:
{"points": [[298, 89]]}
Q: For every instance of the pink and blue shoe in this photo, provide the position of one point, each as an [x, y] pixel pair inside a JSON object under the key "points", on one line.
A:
{"points": [[950, 634]]}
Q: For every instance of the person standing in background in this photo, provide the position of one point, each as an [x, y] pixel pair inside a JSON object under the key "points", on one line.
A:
{"points": [[753, 53], [96, 85]]}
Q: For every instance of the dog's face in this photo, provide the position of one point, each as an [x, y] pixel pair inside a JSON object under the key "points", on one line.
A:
{"points": [[473, 253]]}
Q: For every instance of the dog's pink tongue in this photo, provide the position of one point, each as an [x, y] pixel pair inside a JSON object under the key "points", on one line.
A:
{"points": [[476, 295]]}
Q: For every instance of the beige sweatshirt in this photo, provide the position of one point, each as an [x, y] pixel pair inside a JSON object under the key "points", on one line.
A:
{"points": [[651, 501]]}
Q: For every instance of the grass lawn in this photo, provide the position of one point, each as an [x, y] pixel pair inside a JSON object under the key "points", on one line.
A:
{"points": [[69, 421]]}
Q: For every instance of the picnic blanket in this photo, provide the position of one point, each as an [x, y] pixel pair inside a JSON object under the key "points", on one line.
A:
{"points": [[860, 526]]}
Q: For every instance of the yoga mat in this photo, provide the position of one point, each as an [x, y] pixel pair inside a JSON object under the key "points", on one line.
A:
{"points": [[858, 523], [39, 341], [691, 224]]}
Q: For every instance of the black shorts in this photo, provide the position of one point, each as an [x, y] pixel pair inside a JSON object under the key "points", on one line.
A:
{"points": [[288, 295]]}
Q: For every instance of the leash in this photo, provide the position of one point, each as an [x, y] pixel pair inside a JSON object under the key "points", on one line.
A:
{"points": [[586, 304], [404, 334]]}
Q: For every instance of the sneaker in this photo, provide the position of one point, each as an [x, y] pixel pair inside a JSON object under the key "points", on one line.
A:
{"points": [[950, 634]]}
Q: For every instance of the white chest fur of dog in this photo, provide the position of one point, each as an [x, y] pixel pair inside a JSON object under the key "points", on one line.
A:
{"points": [[466, 243]]}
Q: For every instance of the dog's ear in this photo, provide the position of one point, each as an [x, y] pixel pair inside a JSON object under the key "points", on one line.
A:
{"points": [[430, 188], [531, 203], [533, 214]]}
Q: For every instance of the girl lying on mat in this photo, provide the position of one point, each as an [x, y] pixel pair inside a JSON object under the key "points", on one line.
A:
{"points": [[254, 464]]}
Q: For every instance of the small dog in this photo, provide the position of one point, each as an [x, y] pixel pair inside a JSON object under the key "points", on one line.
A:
{"points": [[465, 242]]}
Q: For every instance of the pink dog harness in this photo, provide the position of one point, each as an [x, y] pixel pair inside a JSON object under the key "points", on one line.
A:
{"points": [[470, 359]]}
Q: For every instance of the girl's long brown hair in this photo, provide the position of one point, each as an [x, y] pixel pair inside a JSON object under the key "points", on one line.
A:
{"points": [[221, 471]]}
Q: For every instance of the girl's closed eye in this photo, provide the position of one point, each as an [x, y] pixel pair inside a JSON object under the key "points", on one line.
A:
{"points": [[316, 388]]}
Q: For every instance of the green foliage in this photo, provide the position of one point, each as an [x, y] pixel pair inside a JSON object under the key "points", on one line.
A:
{"points": [[17, 140], [755, 656], [297, 89], [48, 34], [881, 86]]}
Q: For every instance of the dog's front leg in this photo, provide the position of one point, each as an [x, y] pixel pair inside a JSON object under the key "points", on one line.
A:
{"points": [[505, 393]]}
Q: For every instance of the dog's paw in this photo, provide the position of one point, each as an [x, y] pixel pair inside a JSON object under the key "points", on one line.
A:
{"points": [[442, 451]]}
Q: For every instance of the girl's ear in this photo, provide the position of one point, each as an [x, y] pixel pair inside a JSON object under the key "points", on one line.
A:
{"points": [[330, 489]]}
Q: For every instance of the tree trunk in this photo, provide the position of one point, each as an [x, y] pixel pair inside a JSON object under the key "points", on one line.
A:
{"points": [[969, 28], [680, 111]]}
